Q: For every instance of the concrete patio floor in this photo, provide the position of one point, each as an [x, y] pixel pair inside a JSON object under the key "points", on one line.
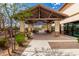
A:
{"points": [[39, 46]]}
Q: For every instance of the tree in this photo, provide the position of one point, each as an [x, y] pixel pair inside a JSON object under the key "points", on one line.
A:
{"points": [[4, 28], [10, 9], [5, 33], [22, 15], [10, 12]]}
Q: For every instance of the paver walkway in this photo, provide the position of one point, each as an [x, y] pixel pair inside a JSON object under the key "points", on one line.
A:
{"points": [[39, 46], [35, 45]]}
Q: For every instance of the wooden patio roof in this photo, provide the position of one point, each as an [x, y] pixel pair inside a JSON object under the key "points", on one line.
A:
{"points": [[40, 12]]}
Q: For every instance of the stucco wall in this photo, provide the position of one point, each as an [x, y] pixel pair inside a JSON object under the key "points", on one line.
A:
{"points": [[70, 19]]}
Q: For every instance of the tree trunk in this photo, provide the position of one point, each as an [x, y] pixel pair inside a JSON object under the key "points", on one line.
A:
{"points": [[11, 35], [6, 36], [0, 24], [14, 36]]}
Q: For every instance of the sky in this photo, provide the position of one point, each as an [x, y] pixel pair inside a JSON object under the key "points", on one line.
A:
{"points": [[55, 6]]}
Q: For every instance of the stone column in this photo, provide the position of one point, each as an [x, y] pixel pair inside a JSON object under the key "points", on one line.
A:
{"points": [[29, 27], [57, 27], [49, 26], [22, 29], [62, 28]]}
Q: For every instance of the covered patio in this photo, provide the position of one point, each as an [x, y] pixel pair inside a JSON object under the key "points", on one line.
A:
{"points": [[45, 15]]}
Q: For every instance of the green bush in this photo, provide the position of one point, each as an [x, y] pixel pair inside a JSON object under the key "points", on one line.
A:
{"points": [[20, 38], [3, 43]]}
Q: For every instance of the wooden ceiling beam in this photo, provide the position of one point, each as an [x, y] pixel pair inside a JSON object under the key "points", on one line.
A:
{"points": [[44, 19], [49, 15]]}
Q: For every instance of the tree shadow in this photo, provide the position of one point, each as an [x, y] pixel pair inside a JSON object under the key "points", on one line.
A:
{"points": [[47, 52]]}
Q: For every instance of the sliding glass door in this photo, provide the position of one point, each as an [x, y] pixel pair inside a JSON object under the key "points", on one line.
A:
{"points": [[76, 30], [72, 29]]}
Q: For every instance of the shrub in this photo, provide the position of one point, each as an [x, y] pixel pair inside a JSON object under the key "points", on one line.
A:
{"points": [[20, 38], [3, 43]]}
